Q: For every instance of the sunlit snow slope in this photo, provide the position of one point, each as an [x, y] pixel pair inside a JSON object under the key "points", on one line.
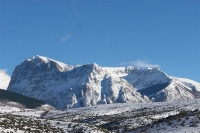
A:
{"points": [[4, 80]]}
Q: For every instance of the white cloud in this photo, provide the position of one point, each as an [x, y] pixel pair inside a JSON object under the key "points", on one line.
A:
{"points": [[140, 63], [65, 38], [106, 41], [5, 70]]}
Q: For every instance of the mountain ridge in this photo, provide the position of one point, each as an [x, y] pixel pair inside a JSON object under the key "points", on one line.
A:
{"points": [[66, 86]]}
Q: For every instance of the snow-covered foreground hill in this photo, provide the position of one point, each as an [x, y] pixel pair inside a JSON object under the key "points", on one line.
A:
{"points": [[158, 117], [16, 118], [65, 86]]}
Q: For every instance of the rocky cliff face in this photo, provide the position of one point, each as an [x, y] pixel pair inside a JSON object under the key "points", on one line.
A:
{"points": [[65, 86]]}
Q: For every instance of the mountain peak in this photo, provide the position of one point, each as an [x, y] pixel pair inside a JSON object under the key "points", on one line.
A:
{"points": [[157, 70], [153, 68], [37, 60], [40, 58], [92, 64], [95, 66]]}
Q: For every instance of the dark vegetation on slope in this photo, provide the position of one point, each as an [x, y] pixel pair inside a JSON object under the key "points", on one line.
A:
{"points": [[28, 102]]}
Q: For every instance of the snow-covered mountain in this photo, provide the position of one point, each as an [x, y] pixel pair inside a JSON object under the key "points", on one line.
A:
{"points": [[194, 86], [178, 89], [4, 80], [65, 86], [157, 85]]}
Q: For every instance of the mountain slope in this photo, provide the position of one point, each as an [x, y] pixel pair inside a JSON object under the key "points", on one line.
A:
{"points": [[64, 86], [174, 91], [4, 80], [159, 87], [195, 86], [8, 96], [147, 78]]}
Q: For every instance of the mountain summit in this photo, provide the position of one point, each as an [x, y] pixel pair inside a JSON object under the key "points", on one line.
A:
{"points": [[65, 86]]}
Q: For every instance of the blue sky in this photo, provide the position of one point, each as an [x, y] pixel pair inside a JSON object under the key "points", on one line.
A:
{"points": [[143, 33]]}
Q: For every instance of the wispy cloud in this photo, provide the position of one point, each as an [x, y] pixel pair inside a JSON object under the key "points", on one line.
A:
{"points": [[140, 63], [66, 37], [5, 70], [107, 40], [74, 11]]}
